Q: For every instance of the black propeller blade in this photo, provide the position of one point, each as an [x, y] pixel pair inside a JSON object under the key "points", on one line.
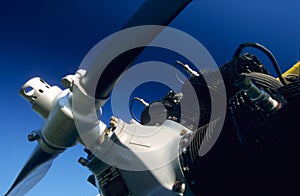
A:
{"points": [[151, 12], [34, 170]]}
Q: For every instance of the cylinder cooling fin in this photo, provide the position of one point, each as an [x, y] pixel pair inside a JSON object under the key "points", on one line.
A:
{"points": [[226, 160], [257, 151], [248, 64]]}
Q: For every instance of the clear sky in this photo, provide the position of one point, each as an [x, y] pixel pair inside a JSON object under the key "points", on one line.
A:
{"points": [[50, 38]]}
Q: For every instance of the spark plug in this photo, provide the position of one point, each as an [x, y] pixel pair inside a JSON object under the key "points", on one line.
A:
{"points": [[258, 96]]}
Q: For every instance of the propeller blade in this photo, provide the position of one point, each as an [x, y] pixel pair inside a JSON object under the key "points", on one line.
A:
{"points": [[34, 170], [151, 12], [156, 12]]}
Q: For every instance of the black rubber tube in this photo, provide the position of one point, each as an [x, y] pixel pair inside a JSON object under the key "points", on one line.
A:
{"points": [[261, 48]]}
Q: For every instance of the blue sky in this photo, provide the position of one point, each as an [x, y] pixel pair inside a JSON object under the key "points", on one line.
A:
{"points": [[50, 38]]}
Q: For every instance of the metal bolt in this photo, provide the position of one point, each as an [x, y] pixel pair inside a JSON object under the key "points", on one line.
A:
{"points": [[107, 132], [83, 161], [178, 187], [113, 123], [183, 132], [33, 136], [185, 169], [88, 152], [67, 81], [112, 118]]}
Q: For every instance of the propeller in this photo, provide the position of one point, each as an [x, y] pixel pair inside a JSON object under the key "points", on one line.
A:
{"points": [[33, 171], [151, 12]]}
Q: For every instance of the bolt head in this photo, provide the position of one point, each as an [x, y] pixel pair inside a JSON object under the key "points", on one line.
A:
{"points": [[33, 136]]}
